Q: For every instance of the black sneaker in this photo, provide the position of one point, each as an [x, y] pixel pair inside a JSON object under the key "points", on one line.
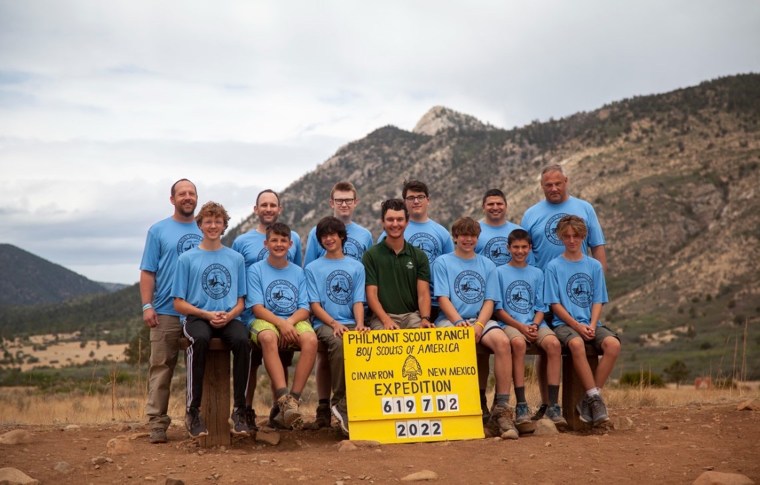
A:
{"points": [[322, 420], [239, 422], [250, 418], [584, 410], [194, 423], [341, 414], [540, 412], [276, 420], [598, 411], [158, 435]]}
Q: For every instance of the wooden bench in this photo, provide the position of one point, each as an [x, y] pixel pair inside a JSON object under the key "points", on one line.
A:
{"points": [[215, 403]]}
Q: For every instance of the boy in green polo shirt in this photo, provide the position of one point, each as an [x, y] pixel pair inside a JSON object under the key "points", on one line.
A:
{"points": [[397, 275]]}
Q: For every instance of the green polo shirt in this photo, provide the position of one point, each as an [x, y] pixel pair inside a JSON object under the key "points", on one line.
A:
{"points": [[396, 275]]}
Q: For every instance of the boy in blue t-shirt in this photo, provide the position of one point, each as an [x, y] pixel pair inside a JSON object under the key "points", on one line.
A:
{"points": [[335, 285], [576, 291], [521, 310], [467, 289], [277, 296], [209, 291]]}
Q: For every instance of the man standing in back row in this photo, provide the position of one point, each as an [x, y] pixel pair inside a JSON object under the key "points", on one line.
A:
{"points": [[166, 240], [540, 220]]}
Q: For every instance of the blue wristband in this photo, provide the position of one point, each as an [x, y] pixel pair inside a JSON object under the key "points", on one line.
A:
{"points": [[147, 306]]}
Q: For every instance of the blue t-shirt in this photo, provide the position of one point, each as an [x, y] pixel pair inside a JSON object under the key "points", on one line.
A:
{"points": [[466, 282], [492, 242], [166, 241], [336, 284], [577, 285], [541, 221], [358, 240], [281, 290], [210, 280], [521, 292]]}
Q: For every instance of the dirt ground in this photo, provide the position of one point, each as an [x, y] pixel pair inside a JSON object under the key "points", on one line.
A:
{"points": [[664, 445]]}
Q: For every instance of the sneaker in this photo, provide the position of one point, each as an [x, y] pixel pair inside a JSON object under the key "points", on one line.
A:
{"points": [[502, 418], [158, 435], [323, 419], [540, 412], [239, 422], [554, 413], [598, 411], [584, 410], [341, 414], [522, 413], [194, 423], [291, 416], [250, 418]]}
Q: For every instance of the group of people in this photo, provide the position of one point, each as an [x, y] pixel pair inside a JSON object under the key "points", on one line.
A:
{"points": [[516, 286]]}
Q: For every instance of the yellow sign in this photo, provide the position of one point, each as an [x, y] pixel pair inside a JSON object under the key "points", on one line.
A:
{"points": [[412, 385]]}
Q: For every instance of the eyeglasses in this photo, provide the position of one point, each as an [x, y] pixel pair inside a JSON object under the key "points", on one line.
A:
{"points": [[416, 198], [344, 201]]}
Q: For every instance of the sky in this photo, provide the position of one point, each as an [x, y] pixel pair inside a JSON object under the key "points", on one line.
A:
{"points": [[103, 105]]}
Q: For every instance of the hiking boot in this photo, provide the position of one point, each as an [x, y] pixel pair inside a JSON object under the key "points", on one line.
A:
{"points": [[276, 419], [485, 412], [323, 419], [598, 411], [341, 414], [584, 410], [239, 422], [250, 418], [540, 412], [194, 423], [554, 413], [289, 414], [502, 419], [522, 413], [158, 435]]}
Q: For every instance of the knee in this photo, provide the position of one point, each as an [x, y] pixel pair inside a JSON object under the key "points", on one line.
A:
{"points": [[308, 342], [518, 346], [577, 347], [267, 339], [551, 346], [611, 347]]}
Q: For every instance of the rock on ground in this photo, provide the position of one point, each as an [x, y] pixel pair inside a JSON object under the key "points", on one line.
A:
{"points": [[119, 446], [14, 476], [420, 476], [268, 437], [748, 405], [718, 478], [545, 427], [16, 437]]}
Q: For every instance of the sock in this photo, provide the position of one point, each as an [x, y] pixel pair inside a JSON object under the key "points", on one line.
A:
{"points": [[280, 392], [324, 402], [296, 395], [553, 393], [520, 394], [483, 402], [594, 391], [501, 400]]}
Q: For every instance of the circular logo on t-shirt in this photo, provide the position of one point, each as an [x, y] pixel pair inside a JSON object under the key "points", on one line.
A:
{"points": [[469, 286], [352, 248], [580, 289], [496, 251], [216, 281], [282, 297], [187, 242], [519, 296], [426, 243], [339, 284], [550, 229]]}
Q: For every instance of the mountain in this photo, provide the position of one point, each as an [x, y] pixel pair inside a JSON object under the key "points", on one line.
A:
{"points": [[674, 178], [31, 280]]}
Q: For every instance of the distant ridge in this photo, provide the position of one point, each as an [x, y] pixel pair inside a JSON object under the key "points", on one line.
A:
{"points": [[30, 280]]}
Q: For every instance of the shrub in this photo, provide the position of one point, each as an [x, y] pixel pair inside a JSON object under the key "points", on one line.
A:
{"points": [[646, 378]]}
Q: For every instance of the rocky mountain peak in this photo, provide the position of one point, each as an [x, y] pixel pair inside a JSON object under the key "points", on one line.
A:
{"points": [[441, 118]]}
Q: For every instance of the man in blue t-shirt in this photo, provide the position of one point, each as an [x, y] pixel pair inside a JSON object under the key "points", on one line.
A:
{"points": [[278, 299], [467, 289], [251, 245], [335, 286], [166, 241], [343, 202], [540, 220], [494, 228], [209, 291], [576, 291]]}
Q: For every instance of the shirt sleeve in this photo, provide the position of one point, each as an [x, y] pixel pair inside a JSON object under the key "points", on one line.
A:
{"points": [[297, 259], [303, 297], [440, 279], [370, 271], [255, 294], [423, 265], [551, 286], [151, 252], [311, 286], [539, 305]]}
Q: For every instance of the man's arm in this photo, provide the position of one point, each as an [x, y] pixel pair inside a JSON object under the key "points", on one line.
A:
{"points": [[373, 300], [599, 254], [423, 303], [147, 290]]}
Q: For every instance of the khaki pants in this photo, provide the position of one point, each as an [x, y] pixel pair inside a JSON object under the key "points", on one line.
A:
{"points": [[334, 347], [403, 320], [164, 349]]}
